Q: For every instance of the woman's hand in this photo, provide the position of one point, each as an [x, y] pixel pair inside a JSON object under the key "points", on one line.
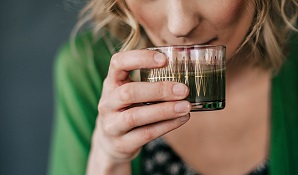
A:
{"points": [[122, 126]]}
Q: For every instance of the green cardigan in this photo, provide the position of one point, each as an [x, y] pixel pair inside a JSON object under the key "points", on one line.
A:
{"points": [[78, 84]]}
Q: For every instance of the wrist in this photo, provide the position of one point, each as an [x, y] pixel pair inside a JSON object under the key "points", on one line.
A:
{"points": [[100, 164]]}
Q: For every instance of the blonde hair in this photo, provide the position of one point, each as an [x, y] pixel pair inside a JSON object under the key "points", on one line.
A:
{"points": [[267, 39]]}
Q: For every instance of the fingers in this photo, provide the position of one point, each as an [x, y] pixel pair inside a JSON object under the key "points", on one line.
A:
{"points": [[140, 136], [124, 62], [139, 92], [125, 146], [124, 128], [146, 115]]}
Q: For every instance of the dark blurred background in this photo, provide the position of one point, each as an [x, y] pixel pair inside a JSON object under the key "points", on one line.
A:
{"points": [[31, 32]]}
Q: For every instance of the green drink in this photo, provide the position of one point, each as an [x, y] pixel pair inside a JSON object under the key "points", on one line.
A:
{"points": [[201, 68]]}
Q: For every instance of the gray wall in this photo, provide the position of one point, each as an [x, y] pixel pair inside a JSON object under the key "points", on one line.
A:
{"points": [[31, 31]]}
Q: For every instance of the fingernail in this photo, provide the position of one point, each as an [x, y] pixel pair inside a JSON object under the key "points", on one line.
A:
{"points": [[184, 118], [160, 58], [182, 107], [180, 89]]}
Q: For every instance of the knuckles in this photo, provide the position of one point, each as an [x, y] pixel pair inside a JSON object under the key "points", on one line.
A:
{"points": [[129, 119], [125, 93], [101, 107], [163, 89], [108, 129], [148, 134], [115, 61]]}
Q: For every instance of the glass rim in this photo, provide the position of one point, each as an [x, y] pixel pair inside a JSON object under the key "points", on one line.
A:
{"points": [[191, 46]]}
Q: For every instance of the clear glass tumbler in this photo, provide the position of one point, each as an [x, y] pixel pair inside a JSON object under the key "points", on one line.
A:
{"points": [[200, 67]]}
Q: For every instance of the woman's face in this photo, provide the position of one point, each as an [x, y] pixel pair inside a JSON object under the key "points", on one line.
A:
{"points": [[177, 22]]}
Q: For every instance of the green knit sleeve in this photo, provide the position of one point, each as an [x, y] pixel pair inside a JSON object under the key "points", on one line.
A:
{"points": [[284, 121], [78, 78]]}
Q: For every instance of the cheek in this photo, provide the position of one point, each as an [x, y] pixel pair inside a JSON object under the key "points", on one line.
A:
{"points": [[148, 21], [225, 13], [232, 22], [146, 14]]}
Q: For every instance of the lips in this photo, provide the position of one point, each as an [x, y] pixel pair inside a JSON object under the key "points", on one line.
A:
{"points": [[188, 42]]}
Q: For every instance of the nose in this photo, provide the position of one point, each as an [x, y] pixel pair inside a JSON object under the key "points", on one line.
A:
{"points": [[182, 18]]}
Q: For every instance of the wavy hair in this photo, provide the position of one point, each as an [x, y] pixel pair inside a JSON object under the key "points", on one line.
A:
{"points": [[267, 38]]}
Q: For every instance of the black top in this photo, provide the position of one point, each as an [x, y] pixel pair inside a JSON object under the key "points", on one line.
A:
{"points": [[160, 159]]}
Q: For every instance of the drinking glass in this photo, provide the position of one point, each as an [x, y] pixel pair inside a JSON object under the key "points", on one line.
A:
{"points": [[200, 67]]}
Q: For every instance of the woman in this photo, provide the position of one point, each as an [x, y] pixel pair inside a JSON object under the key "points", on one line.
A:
{"points": [[254, 134]]}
